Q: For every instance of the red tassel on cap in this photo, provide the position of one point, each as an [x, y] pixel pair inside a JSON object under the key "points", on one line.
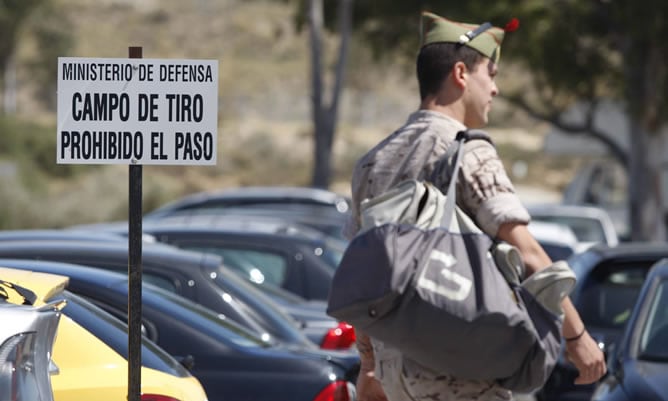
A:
{"points": [[512, 25]]}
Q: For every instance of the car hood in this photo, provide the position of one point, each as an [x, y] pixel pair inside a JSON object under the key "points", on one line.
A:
{"points": [[646, 380]]}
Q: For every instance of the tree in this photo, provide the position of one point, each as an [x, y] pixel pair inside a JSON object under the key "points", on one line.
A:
{"points": [[325, 112], [317, 16], [573, 52], [13, 13]]}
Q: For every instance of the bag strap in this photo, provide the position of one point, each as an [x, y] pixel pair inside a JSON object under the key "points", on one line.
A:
{"points": [[456, 151]]}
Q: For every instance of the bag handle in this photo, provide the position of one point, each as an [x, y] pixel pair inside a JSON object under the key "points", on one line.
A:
{"points": [[457, 149]]}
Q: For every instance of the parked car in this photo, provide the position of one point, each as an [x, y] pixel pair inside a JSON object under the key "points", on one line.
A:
{"points": [[589, 223], [558, 240], [27, 335], [231, 362], [638, 365], [91, 350], [608, 283], [287, 255], [279, 197], [278, 254], [59, 234], [199, 277], [323, 210]]}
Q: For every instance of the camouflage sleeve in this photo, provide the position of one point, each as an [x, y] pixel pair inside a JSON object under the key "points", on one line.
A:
{"points": [[485, 190]]}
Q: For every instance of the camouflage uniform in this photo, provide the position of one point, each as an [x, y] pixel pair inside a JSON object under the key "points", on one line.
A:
{"points": [[484, 191]]}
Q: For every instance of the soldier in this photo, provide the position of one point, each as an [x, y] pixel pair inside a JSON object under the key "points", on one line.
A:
{"points": [[456, 67]]}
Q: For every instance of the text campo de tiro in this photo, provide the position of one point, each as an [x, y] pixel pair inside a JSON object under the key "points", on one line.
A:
{"points": [[133, 111]]}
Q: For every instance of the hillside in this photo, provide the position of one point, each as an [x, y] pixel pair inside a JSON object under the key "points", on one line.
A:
{"points": [[264, 128]]}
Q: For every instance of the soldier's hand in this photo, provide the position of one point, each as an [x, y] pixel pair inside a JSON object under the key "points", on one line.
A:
{"points": [[587, 357], [368, 388]]}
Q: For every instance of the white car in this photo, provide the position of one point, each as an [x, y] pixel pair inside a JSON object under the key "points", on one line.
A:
{"points": [[590, 224], [27, 335], [558, 240]]}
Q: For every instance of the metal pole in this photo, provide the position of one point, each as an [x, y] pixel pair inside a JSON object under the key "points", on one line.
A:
{"points": [[134, 272]]}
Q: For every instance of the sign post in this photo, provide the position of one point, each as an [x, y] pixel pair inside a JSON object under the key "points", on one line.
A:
{"points": [[136, 111], [134, 271]]}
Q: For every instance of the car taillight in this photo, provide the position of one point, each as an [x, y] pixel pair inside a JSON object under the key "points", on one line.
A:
{"points": [[157, 397], [339, 390], [340, 337]]}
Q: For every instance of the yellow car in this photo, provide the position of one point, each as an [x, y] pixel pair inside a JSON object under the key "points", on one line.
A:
{"points": [[89, 368]]}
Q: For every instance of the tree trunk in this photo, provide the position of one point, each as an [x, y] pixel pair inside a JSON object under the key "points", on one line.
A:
{"points": [[325, 114], [646, 204]]}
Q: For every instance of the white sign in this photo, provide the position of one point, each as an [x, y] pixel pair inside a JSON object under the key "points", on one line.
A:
{"points": [[137, 111]]}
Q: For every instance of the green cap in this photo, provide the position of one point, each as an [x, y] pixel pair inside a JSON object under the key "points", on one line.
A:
{"points": [[484, 38]]}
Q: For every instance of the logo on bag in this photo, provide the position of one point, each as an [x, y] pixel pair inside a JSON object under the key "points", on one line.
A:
{"points": [[461, 287]]}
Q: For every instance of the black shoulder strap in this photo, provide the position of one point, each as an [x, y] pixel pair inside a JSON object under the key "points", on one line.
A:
{"points": [[472, 134], [445, 164]]}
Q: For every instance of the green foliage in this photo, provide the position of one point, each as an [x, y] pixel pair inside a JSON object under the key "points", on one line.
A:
{"points": [[33, 147], [575, 50], [12, 15], [51, 30]]}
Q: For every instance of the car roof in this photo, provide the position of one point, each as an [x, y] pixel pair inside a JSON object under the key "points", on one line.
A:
{"points": [[234, 225], [155, 250], [57, 234], [264, 194], [556, 210], [628, 249], [660, 268]]}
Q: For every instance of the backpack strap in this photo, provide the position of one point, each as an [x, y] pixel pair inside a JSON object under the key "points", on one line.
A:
{"points": [[455, 153]]}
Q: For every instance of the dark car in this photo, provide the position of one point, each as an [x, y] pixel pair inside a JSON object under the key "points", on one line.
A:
{"points": [[287, 255], [189, 274], [638, 365], [274, 256], [278, 197], [323, 210], [229, 361], [609, 281], [278, 254], [56, 234]]}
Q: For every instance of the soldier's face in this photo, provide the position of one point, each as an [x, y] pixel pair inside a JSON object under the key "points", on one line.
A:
{"points": [[480, 91]]}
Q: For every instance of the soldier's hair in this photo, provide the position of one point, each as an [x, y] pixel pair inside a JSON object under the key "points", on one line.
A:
{"points": [[436, 60]]}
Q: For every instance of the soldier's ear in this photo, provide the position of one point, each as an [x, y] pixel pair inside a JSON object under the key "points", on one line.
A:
{"points": [[460, 74]]}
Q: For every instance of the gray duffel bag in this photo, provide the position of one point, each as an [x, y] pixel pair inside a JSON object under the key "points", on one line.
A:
{"points": [[438, 296]]}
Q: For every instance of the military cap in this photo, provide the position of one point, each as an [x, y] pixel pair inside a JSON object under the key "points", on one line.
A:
{"points": [[484, 38]]}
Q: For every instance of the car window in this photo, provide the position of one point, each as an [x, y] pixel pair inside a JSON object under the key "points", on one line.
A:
{"points": [[654, 337], [259, 266], [331, 254], [609, 294], [160, 281]]}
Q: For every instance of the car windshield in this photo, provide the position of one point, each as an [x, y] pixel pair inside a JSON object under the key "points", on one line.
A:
{"points": [[654, 336]]}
